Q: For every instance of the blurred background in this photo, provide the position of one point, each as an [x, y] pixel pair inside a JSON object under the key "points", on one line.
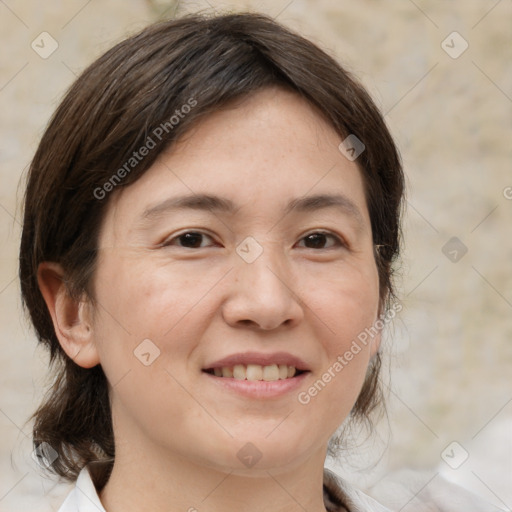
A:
{"points": [[442, 74]]}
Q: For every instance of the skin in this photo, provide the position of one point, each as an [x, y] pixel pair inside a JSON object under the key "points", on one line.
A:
{"points": [[177, 435]]}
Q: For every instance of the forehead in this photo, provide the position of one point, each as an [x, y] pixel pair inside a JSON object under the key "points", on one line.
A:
{"points": [[267, 151]]}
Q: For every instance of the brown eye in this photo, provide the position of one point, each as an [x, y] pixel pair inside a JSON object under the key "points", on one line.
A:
{"points": [[318, 239], [188, 240]]}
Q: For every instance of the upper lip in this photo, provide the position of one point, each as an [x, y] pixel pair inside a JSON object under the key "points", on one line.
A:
{"points": [[259, 358]]}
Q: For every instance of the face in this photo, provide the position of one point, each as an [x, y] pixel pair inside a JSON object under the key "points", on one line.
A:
{"points": [[263, 277]]}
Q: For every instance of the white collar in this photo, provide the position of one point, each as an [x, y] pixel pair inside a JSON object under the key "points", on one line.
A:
{"points": [[83, 497]]}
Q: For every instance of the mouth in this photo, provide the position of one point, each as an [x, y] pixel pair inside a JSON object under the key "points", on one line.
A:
{"points": [[256, 372]]}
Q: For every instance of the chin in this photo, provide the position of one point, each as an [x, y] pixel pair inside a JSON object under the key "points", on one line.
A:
{"points": [[257, 455]]}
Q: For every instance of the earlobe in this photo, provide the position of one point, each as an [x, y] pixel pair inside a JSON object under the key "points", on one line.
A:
{"points": [[71, 317]]}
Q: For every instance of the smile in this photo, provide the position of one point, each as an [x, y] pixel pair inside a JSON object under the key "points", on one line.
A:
{"points": [[254, 372]]}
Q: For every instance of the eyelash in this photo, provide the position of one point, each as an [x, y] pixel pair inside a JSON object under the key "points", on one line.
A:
{"points": [[339, 241]]}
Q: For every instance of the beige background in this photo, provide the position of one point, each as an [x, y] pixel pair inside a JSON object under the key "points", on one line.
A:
{"points": [[450, 351]]}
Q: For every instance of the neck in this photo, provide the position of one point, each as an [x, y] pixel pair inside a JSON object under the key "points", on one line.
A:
{"points": [[141, 481]]}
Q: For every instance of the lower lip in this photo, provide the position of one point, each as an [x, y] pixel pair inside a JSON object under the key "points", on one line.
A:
{"points": [[258, 388]]}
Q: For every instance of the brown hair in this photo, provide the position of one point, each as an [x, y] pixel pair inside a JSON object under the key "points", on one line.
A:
{"points": [[129, 94]]}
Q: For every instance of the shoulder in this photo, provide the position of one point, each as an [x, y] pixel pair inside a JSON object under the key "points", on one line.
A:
{"points": [[340, 496], [405, 490], [83, 497]]}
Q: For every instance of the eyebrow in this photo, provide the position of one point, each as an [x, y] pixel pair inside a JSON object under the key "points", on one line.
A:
{"points": [[214, 203]]}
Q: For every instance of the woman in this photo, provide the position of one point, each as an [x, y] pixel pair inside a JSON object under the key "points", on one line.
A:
{"points": [[210, 224]]}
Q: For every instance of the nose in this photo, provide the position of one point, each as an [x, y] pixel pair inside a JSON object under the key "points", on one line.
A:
{"points": [[263, 294]]}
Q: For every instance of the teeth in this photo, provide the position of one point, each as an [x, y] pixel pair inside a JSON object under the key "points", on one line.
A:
{"points": [[227, 372], [256, 372], [239, 371], [271, 372]]}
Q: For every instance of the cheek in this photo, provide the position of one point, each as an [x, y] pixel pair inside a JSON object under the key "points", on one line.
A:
{"points": [[146, 335], [148, 297], [142, 300], [345, 300], [345, 309]]}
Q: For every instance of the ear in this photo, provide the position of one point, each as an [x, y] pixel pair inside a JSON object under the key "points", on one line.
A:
{"points": [[71, 317]]}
